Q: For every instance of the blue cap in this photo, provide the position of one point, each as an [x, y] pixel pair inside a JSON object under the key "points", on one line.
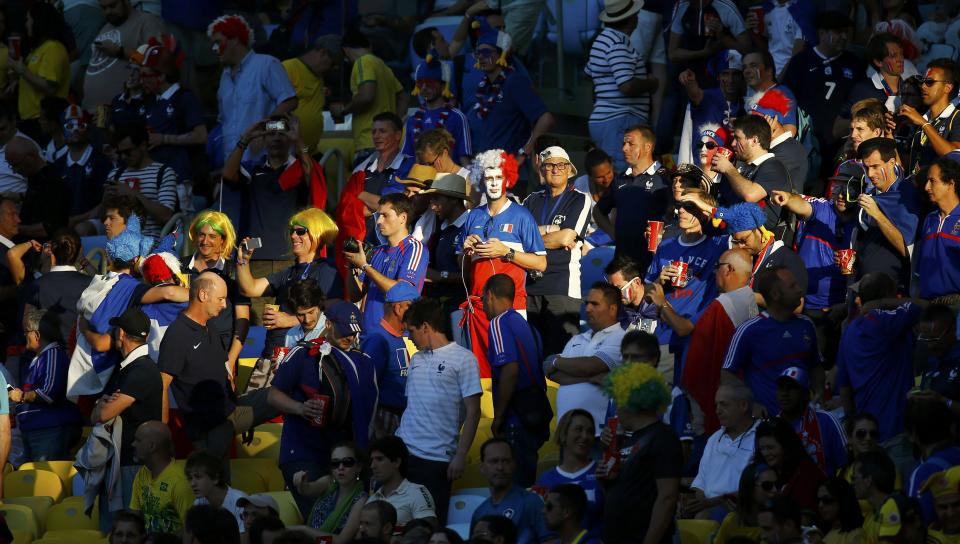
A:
{"points": [[402, 292], [345, 317], [797, 375]]}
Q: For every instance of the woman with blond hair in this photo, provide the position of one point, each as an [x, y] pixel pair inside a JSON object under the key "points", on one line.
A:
{"points": [[311, 231], [214, 238]]}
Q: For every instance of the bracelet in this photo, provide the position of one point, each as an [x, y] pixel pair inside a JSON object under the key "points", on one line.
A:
{"points": [[925, 124]]}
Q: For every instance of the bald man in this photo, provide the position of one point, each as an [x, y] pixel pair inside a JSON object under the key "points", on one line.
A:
{"points": [[714, 330], [46, 203], [193, 365], [160, 488]]}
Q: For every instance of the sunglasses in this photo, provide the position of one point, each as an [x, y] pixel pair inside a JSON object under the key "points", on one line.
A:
{"points": [[299, 231], [689, 207], [740, 241], [864, 433], [827, 501], [708, 145], [768, 486], [929, 82], [346, 462]]}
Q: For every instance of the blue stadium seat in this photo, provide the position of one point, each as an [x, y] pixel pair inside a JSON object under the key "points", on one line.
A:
{"points": [[254, 344]]}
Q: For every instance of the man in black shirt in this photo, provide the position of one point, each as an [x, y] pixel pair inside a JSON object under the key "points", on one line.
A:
{"points": [[59, 289], [938, 130], [46, 204], [133, 394]]}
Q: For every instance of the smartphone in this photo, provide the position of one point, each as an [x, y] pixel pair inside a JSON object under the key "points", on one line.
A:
{"points": [[277, 126], [253, 243]]}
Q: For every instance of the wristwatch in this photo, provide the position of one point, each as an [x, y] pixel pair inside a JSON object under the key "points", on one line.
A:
{"points": [[510, 255]]}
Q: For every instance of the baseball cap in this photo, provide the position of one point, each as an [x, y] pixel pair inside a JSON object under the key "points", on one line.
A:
{"points": [[133, 322], [261, 500], [797, 375], [402, 291], [345, 317]]}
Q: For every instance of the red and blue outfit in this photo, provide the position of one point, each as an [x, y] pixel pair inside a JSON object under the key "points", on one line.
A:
{"points": [[818, 237], [938, 255], [407, 261], [391, 359], [516, 228]]}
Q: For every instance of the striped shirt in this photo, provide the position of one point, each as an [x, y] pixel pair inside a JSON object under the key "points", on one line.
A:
{"points": [[613, 61], [147, 181]]}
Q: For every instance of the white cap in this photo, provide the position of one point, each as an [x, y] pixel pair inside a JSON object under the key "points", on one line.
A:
{"points": [[554, 152]]}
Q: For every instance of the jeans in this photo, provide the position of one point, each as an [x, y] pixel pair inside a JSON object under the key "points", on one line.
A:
{"points": [[525, 446], [127, 474], [433, 476], [608, 135], [314, 470], [51, 444]]}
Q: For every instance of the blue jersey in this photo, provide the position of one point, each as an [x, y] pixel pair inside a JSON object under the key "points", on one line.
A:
{"points": [[762, 348], [817, 238], [446, 117], [701, 288], [938, 255], [586, 478], [407, 261], [833, 440], [822, 85], [875, 360], [512, 340], [391, 359], [939, 460], [524, 508], [510, 118], [713, 109]]}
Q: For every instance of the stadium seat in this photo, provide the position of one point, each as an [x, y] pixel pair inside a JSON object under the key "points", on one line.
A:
{"points": [[696, 531], [254, 342], [79, 536], [244, 371], [67, 517], [64, 469], [20, 518], [247, 481], [32, 483], [470, 479], [266, 469], [289, 513], [592, 265], [462, 507], [462, 529], [478, 491], [21, 537], [486, 398], [78, 502], [38, 505], [265, 445]]}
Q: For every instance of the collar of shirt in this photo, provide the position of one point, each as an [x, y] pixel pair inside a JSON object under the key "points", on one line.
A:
{"points": [[246, 60], [591, 335], [83, 158], [824, 58], [396, 164], [761, 159], [63, 268], [503, 209], [221, 262], [780, 139], [6, 241], [945, 114], [45, 349], [290, 160], [458, 222], [389, 329], [751, 431], [169, 92], [649, 171], [139, 351], [400, 490]]}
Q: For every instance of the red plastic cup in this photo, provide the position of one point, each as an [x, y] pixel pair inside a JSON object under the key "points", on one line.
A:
{"points": [[725, 152], [656, 232], [613, 449], [680, 280], [14, 43], [279, 353], [845, 260], [321, 420], [758, 12]]}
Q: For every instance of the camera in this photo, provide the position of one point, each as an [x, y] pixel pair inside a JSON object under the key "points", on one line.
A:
{"points": [[351, 245]]}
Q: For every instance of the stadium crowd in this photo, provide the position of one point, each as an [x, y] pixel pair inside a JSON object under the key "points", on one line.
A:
{"points": [[731, 318]]}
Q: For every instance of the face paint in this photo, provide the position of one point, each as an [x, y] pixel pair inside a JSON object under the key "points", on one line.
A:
{"points": [[493, 183]]}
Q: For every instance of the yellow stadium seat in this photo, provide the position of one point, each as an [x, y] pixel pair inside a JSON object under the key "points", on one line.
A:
{"points": [[247, 481], [64, 469], [471, 478], [78, 502], [76, 536], [697, 531], [21, 537], [20, 518], [244, 370], [38, 505], [69, 517], [266, 469], [32, 483], [265, 445], [289, 513]]}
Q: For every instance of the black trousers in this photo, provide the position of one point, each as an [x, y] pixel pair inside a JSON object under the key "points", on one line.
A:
{"points": [[433, 476]]}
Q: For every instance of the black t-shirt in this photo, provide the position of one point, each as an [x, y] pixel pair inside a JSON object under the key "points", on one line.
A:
{"points": [[268, 207], [772, 176], [223, 323], [630, 497], [793, 156], [58, 292], [193, 353], [821, 86], [139, 379], [862, 90]]}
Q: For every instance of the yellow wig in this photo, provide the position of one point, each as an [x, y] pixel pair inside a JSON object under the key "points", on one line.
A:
{"points": [[637, 388], [319, 224], [220, 224]]}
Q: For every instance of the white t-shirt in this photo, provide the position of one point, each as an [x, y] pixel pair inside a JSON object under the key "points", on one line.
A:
{"points": [[604, 344], [437, 381], [412, 501], [229, 504], [10, 181]]}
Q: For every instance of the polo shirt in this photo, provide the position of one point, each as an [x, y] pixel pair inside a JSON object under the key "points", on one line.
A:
{"points": [[84, 178], [407, 261], [137, 377], [874, 86], [390, 353], [311, 98], [193, 353], [249, 93], [586, 478], [437, 381], [321, 271], [713, 109], [947, 126], [51, 62], [47, 377], [569, 210], [524, 508], [58, 291], [224, 322], [512, 340], [875, 360], [942, 374], [638, 198], [762, 348], [793, 156], [612, 62], [818, 237], [517, 229], [443, 257], [510, 120], [412, 501], [941, 459], [369, 68], [874, 253], [724, 458], [768, 172], [822, 84], [605, 345], [268, 205], [446, 117], [938, 255], [164, 500], [156, 182], [175, 111]]}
